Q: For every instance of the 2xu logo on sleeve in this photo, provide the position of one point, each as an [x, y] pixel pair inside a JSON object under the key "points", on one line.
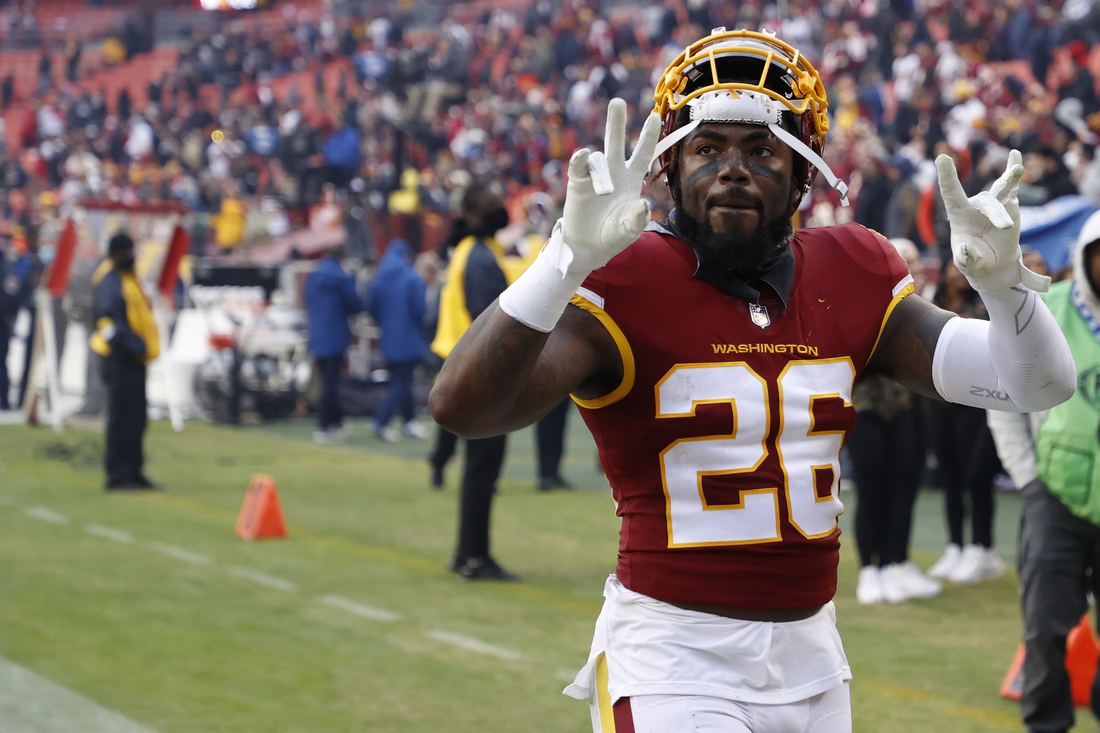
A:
{"points": [[1088, 386], [993, 394]]}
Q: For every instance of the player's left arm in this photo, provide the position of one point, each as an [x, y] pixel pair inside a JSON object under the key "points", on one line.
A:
{"points": [[1018, 361]]}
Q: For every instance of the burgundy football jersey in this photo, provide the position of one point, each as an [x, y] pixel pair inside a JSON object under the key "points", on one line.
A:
{"points": [[721, 443]]}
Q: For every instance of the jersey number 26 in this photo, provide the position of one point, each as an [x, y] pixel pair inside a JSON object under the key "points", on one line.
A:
{"points": [[803, 451]]}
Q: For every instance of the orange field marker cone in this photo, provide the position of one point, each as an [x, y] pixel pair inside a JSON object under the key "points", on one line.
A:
{"points": [[261, 516], [1082, 653], [1013, 685]]}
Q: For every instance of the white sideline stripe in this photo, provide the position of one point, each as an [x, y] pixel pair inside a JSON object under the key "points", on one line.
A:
{"points": [[109, 533], [375, 614], [195, 558], [565, 675], [30, 703], [7, 501], [46, 515], [256, 576], [473, 645]]}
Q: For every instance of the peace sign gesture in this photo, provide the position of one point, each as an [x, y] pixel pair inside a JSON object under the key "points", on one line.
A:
{"points": [[604, 211], [985, 229]]}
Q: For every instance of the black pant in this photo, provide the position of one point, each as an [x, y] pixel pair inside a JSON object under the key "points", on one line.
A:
{"points": [[329, 414], [126, 418], [887, 458], [5, 383], [484, 458], [1059, 564], [968, 463], [550, 439], [445, 443]]}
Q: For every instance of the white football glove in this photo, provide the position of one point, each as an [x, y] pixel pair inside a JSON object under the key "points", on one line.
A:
{"points": [[985, 229], [604, 212]]}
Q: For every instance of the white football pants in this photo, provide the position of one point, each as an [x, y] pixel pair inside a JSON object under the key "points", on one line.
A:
{"points": [[829, 712]]}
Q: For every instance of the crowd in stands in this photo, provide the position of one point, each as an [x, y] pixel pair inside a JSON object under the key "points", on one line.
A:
{"points": [[389, 117]]}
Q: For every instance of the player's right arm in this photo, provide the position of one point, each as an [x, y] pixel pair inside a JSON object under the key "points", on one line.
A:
{"points": [[503, 375], [530, 349]]}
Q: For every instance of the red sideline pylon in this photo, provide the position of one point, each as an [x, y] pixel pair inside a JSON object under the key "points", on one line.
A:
{"points": [[261, 516], [1081, 655]]}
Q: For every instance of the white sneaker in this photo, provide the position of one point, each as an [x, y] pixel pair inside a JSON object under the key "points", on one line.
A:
{"points": [[911, 580], [992, 565], [947, 562], [971, 567], [893, 590], [386, 434], [869, 587], [332, 436], [415, 430]]}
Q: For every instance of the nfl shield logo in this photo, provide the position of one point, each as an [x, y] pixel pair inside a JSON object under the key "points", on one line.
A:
{"points": [[759, 315]]}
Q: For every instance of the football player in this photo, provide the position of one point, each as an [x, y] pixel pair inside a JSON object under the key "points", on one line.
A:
{"points": [[713, 357]]}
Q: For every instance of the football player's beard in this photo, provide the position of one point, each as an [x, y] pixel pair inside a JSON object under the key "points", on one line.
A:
{"points": [[740, 254]]}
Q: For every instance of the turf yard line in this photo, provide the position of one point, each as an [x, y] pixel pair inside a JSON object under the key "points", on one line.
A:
{"points": [[46, 514], [109, 533], [30, 703], [473, 645], [180, 553], [944, 705], [375, 614], [263, 579], [396, 557]]}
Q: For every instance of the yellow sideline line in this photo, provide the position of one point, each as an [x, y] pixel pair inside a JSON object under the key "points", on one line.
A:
{"points": [[998, 719], [380, 554]]}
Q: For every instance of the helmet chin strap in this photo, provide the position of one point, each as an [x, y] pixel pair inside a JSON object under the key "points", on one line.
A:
{"points": [[747, 108]]}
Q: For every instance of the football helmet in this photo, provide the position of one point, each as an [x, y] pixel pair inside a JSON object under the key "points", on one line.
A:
{"points": [[750, 78]]}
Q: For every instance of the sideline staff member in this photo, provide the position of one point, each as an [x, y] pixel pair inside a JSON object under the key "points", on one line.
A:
{"points": [[126, 336]]}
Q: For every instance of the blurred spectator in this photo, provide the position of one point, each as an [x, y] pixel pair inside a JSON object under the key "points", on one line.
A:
{"points": [[967, 460], [475, 278], [1050, 456], [1047, 175], [126, 337], [10, 301], [330, 300], [904, 202], [550, 445], [230, 220], [887, 447], [396, 302]]}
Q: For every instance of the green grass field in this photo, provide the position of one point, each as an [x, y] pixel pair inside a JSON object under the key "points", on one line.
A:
{"points": [[151, 607]]}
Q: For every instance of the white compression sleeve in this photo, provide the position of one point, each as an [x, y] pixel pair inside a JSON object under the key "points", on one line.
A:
{"points": [[1018, 361], [538, 297]]}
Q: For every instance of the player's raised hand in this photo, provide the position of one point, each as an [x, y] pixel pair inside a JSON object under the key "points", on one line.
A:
{"points": [[604, 211], [985, 228]]}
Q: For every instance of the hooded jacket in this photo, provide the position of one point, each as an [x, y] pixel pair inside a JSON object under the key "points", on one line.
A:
{"points": [[396, 302], [330, 299], [1067, 446]]}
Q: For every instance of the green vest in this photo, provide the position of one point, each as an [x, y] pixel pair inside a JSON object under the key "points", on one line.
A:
{"points": [[1067, 447]]}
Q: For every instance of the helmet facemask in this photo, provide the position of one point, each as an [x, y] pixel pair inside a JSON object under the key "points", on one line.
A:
{"points": [[748, 78]]}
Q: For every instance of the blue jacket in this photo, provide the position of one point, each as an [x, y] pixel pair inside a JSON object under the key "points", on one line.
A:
{"points": [[342, 148], [330, 299], [397, 303]]}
